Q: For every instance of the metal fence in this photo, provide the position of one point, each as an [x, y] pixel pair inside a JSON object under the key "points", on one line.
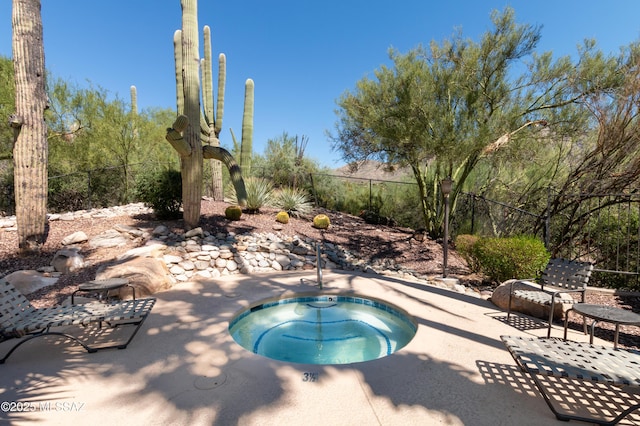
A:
{"points": [[601, 228], [395, 200]]}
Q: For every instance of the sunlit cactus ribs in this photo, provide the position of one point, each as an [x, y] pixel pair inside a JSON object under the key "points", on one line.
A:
{"points": [[196, 125]]}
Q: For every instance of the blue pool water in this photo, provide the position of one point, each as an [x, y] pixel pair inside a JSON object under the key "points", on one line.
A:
{"points": [[323, 329]]}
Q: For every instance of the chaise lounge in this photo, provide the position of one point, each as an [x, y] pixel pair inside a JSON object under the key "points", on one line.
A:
{"points": [[20, 320], [605, 382]]}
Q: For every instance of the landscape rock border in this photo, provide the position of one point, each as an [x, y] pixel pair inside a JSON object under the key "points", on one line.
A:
{"points": [[197, 254]]}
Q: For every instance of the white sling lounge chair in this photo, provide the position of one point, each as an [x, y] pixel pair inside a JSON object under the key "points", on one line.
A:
{"points": [[20, 320]]}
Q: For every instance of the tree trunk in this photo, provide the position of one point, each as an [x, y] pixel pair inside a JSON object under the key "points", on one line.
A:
{"points": [[30, 149]]}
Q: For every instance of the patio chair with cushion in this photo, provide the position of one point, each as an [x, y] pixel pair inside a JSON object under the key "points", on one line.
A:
{"points": [[20, 320], [580, 381], [560, 276]]}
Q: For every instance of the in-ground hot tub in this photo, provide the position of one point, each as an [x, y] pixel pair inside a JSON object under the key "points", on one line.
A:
{"points": [[323, 329]]}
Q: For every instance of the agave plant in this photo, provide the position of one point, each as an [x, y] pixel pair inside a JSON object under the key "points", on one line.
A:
{"points": [[259, 194], [293, 201]]}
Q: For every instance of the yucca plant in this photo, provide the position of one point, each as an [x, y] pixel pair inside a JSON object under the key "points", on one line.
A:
{"points": [[293, 201], [259, 194]]}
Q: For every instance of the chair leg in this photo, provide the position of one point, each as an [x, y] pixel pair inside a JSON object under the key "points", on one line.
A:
{"points": [[89, 349], [553, 308], [49, 333], [509, 306]]}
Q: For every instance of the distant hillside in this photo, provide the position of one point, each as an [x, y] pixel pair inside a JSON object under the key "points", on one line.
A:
{"points": [[374, 170]]}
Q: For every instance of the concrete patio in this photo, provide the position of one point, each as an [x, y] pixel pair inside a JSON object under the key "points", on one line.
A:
{"points": [[183, 367]]}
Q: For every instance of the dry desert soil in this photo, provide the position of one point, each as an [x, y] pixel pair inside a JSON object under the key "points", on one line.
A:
{"points": [[369, 242]]}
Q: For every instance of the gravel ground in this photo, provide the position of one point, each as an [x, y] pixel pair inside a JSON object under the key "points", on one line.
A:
{"points": [[370, 242]]}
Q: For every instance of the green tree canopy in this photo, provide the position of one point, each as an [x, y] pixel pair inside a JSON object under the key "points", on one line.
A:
{"points": [[441, 110]]}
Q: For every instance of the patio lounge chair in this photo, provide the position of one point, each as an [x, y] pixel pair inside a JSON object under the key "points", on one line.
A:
{"points": [[19, 319], [559, 276], [605, 381]]}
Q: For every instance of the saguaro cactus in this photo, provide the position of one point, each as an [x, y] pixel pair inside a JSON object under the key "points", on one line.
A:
{"points": [[134, 99], [191, 127], [246, 147], [191, 166], [30, 146], [211, 126]]}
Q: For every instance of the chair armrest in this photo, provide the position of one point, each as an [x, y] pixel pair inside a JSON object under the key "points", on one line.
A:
{"points": [[557, 290]]}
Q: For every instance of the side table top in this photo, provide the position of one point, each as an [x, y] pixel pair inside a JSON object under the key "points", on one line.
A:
{"points": [[607, 313]]}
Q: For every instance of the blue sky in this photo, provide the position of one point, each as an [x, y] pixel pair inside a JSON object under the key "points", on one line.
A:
{"points": [[302, 55]]}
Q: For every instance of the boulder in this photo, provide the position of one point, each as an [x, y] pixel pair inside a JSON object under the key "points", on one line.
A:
{"points": [[67, 260], [27, 282], [500, 298], [152, 250], [146, 274], [195, 232], [75, 238], [109, 238]]}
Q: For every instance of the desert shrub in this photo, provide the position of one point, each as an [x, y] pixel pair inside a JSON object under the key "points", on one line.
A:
{"points": [[321, 221], [109, 187], [233, 212], [282, 217], [465, 246], [375, 218], [259, 194], [162, 191], [7, 195], [294, 201], [67, 193], [515, 257], [608, 235]]}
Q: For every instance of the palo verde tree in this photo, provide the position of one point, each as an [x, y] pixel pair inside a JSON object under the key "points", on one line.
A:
{"points": [[607, 160], [30, 130], [441, 109]]}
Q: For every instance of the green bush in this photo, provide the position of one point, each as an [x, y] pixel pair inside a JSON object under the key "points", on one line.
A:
{"points": [[7, 196], [294, 201], [505, 258], [67, 193], [162, 191], [465, 246]]}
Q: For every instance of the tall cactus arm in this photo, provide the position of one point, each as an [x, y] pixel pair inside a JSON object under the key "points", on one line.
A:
{"points": [[174, 136], [177, 54], [222, 79], [205, 130], [134, 100], [236, 147], [246, 147], [221, 154], [207, 79]]}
